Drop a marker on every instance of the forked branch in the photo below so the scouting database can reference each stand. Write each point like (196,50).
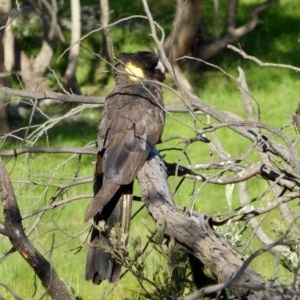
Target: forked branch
(198,237)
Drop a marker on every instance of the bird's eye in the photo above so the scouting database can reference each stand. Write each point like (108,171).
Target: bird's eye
(149,66)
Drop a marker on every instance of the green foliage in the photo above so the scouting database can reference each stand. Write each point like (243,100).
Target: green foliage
(234,233)
(170,276)
(29,36)
(160,267)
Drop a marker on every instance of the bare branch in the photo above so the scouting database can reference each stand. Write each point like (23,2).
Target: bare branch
(259,211)
(255,224)
(241,174)
(105,15)
(271,145)
(231,15)
(234,280)
(75,150)
(221,116)
(70,73)
(254,19)
(4,232)
(48,276)
(10,291)
(296,118)
(232,32)
(53,205)
(52,95)
(48,13)
(185,26)
(260,63)
(72,98)
(246,95)
(195,235)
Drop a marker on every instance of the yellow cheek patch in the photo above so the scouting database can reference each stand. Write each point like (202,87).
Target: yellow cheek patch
(135,71)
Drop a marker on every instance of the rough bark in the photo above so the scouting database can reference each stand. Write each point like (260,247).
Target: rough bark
(186,24)
(52,95)
(70,74)
(5,7)
(8,46)
(185,28)
(14,229)
(199,238)
(33,69)
(189,34)
(4,127)
(231,32)
(296,118)
(65,98)
(107,42)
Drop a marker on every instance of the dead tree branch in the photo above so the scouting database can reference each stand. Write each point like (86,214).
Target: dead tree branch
(198,104)
(233,32)
(10,291)
(70,73)
(71,98)
(197,236)
(75,150)
(104,19)
(260,63)
(55,287)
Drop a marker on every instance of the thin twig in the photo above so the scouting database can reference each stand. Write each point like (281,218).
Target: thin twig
(260,63)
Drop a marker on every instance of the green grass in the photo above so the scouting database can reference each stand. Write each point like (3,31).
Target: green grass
(275,93)
(63,229)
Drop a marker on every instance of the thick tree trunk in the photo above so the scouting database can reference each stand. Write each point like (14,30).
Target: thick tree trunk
(197,236)
(4,127)
(70,74)
(33,69)
(5,6)
(186,24)
(104,20)
(189,35)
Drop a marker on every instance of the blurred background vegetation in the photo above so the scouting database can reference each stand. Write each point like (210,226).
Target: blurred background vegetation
(37,177)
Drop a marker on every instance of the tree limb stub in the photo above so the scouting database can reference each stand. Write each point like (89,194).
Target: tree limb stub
(70,98)
(73,98)
(64,149)
(197,236)
(13,225)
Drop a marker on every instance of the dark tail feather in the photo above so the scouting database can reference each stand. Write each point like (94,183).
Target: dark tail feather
(101,199)
(99,264)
